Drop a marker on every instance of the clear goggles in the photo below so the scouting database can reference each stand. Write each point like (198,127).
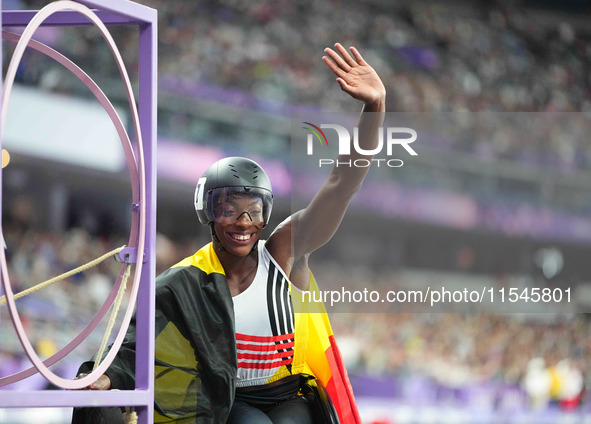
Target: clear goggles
(227,205)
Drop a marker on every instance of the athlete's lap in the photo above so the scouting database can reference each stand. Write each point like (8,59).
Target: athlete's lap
(242,413)
(293,411)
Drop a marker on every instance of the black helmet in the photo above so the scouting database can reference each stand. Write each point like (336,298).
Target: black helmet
(231,177)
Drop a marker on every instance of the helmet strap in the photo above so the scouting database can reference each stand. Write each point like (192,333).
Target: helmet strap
(213,234)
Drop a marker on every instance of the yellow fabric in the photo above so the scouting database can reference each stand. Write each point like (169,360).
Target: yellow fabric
(205,259)
(316,329)
(173,348)
(312,330)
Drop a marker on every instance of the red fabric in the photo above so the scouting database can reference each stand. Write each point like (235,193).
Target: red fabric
(264,356)
(265,348)
(264,365)
(263,339)
(339,388)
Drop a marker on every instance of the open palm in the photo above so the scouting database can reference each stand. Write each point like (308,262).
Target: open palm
(354,74)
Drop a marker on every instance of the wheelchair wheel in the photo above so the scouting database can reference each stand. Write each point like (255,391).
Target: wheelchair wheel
(318,398)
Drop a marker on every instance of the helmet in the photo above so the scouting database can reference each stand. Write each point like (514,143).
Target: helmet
(232,177)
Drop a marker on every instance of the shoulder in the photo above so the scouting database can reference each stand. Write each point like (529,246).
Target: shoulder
(205,259)
(279,248)
(279,245)
(193,268)
(196,279)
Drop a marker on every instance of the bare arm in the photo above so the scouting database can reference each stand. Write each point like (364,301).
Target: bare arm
(317,223)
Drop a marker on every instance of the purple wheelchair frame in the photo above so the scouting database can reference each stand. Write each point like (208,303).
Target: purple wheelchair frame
(117,12)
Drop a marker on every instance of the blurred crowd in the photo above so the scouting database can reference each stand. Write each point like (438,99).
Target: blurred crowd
(53,315)
(433,57)
(546,357)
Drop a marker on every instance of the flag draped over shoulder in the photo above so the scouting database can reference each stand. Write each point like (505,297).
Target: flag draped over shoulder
(195,347)
(322,354)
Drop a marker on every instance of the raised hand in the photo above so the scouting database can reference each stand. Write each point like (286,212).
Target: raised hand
(354,74)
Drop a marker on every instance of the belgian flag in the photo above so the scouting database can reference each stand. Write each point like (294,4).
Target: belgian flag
(323,357)
(195,348)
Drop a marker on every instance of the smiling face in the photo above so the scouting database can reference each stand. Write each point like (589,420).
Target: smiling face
(238,223)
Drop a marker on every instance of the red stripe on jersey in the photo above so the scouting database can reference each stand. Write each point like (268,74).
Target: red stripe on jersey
(264,365)
(264,357)
(264,348)
(263,339)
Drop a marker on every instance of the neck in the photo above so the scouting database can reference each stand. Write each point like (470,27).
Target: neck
(240,270)
(235,265)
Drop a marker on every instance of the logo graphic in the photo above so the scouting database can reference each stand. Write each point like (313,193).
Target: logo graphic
(388,139)
(310,141)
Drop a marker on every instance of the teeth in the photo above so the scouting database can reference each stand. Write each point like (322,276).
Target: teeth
(241,236)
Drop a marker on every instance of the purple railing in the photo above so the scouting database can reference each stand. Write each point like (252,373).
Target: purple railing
(117,12)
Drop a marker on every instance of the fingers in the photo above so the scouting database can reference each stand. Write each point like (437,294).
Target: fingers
(346,56)
(358,56)
(342,62)
(338,59)
(102,383)
(344,85)
(354,75)
(333,66)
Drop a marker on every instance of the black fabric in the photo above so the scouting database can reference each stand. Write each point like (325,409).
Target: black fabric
(105,415)
(243,413)
(199,306)
(111,415)
(294,411)
(270,395)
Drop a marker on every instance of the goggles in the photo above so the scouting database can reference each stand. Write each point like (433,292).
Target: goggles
(227,205)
